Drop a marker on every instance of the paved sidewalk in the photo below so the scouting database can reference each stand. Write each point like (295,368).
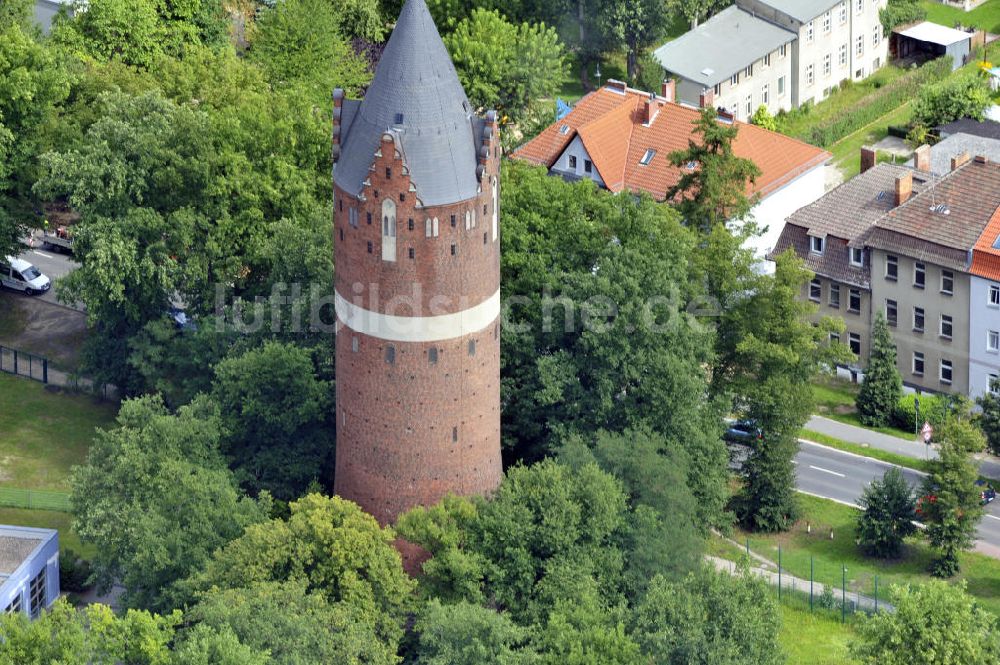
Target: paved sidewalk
(792,583)
(989,465)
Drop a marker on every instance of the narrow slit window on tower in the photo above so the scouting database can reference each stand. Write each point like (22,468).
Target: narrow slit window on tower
(354,344)
(402,197)
(436,227)
(468,220)
(432,355)
(341,234)
(485,210)
(484,238)
(388,173)
(409,224)
(368,218)
(390,354)
(472,347)
(410,252)
(454,434)
(454,250)
(369,246)
(428,228)
(453,221)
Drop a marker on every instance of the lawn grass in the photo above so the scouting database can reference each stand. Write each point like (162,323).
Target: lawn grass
(866,451)
(986,16)
(814,638)
(981,573)
(799,124)
(49,519)
(835,400)
(847,151)
(43,434)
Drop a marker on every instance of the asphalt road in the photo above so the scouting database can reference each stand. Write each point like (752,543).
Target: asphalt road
(52,264)
(833,474)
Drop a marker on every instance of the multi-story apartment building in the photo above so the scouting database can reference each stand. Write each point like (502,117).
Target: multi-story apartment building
(919,248)
(830,235)
(776,53)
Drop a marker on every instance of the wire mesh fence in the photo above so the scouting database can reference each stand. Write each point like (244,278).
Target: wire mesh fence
(34,499)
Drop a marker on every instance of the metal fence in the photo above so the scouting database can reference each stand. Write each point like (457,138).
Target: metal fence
(34,499)
(22,363)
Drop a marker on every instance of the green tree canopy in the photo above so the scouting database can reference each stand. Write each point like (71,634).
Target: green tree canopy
(155,499)
(504,66)
(883,386)
(300,43)
(672,623)
(949,506)
(888,514)
(989,418)
(900,12)
(467,634)
(954,98)
(934,624)
(276,414)
(332,547)
(293,625)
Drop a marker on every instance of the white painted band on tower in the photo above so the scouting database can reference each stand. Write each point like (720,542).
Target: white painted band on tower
(418,328)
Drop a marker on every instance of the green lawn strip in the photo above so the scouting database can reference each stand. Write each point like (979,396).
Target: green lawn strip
(43,434)
(986,16)
(981,573)
(835,400)
(814,638)
(866,451)
(49,519)
(847,151)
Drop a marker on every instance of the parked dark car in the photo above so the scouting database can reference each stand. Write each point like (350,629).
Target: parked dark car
(986,492)
(743,431)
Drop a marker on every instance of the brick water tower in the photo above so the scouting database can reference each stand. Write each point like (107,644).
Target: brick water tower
(417,262)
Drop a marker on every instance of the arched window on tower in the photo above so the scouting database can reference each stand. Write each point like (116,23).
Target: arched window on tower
(388,230)
(496,207)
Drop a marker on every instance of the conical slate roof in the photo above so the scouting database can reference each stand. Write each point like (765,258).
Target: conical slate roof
(415,94)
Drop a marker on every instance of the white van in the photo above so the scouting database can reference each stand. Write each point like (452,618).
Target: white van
(20,275)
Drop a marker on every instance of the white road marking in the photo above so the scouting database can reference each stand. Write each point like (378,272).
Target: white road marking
(994,517)
(832,473)
(48,256)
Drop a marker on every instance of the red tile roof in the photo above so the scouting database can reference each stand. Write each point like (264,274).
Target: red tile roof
(611,125)
(985,257)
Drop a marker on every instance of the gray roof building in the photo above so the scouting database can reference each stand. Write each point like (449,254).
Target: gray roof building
(985,128)
(847,213)
(722,46)
(415,96)
(956,145)
(803,10)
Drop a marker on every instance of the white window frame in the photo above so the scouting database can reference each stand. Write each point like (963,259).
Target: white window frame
(765,94)
(834,288)
(810,31)
(923,317)
(810,74)
(851,339)
(993,296)
(781,86)
(919,268)
(917,355)
(827,64)
(388,230)
(894,320)
(859,6)
(951,371)
(859,263)
(950,291)
(850,296)
(941,324)
(843,55)
(827,21)
(993,341)
(815,290)
(859,46)
(842,11)
(893,261)
(816,245)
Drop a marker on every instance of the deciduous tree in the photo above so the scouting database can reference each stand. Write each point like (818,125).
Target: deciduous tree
(989,418)
(950,507)
(504,66)
(933,624)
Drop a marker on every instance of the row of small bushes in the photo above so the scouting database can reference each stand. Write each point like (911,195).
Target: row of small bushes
(872,107)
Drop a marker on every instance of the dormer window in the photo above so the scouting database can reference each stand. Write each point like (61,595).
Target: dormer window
(564,130)
(816,244)
(648,157)
(857,256)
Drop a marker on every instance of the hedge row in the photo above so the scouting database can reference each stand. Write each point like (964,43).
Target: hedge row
(882,101)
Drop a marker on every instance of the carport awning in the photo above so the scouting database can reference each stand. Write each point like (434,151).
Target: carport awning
(935,34)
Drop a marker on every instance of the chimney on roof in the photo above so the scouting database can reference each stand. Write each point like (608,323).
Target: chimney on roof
(868,158)
(706,99)
(904,188)
(959,160)
(981,159)
(922,158)
(649,109)
(669,90)
(615,84)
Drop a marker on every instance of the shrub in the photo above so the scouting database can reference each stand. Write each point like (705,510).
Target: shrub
(826,599)
(933,409)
